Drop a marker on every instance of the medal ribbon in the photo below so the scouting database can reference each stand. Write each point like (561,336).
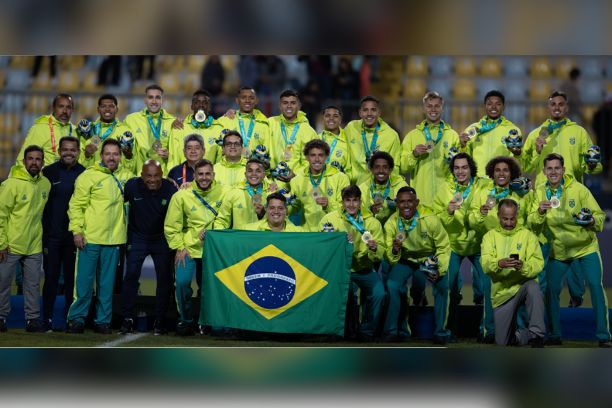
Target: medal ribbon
(486,127)
(385,193)
(251,191)
(291,140)
(466,192)
(207,122)
(357,223)
(156,129)
(499,196)
(106,134)
(118,183)
(246,136)
(428,133)
(552,126)
(52,131)
(557,192)
(368,151)
(332,147)
(203,201)
(316,183)
(413,223)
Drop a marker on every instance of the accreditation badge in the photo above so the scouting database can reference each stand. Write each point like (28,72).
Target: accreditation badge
(491,201)
(366,236)
(555,202)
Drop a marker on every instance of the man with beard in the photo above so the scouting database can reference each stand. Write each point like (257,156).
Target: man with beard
(48,129)
(97,222)
(59,251)
(275,219)
(193,150)
(22,200)
(191,212)
(148,196)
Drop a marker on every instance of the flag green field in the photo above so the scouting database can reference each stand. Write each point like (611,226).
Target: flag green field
(276,282)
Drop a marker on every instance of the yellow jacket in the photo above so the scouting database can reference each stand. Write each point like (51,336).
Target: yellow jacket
(230,174)
(40,135)
(144,139)
(367,200)
(96,208)
(117,131)
(261,128)
(429,171)
(262,225)
(363,258)
(341,153)
(277,145)
(22,201)
(237,208)
(187,216)
(331,186)
(176,142)
(500,243)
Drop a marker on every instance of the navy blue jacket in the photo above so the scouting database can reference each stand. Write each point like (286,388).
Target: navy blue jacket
(176,173)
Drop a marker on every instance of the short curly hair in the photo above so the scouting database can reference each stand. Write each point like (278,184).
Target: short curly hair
(515,169)
(316,144)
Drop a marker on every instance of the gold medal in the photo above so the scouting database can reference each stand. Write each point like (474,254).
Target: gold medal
(315,193)
(256,199)
(458,198)
(471,132)
(429,146)
(157,145)
(400,236)
(555,202)
(200,116)
(366,236)
(378,198)
(287,154)
(491,201)
(95,140)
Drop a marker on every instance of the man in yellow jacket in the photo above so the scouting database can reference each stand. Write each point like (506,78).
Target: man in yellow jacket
(48,129)
(416,243)
(22,200)
(378,192)
(425,150)
(98,224)
(199,122)
(366,234)
(289,133)
(190,213)
(334,136)
(275,219)
(487,138)
(151,127)
(571,219)
(252,125)
(229,170)
(559,134)
(106,126)
(368,134)
(245,203)
(318,189)
(511,256)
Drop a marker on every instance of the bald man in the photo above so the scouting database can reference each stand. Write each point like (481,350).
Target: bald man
(148,197)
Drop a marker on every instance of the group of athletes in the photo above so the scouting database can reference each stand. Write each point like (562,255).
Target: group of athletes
(112,192)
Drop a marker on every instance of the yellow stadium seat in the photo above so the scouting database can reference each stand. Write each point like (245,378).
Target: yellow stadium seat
(37,104)
(169,63)
(2,79)
(195,63)
(42,82)
(540,68)
(90,82)
(71,62)
(87,107)
(170,104)
(229,62)
(563,67)
(491,67)
(539,90)
(416,65)
(465,66)
(68,81)
(464,90)
(462,115)
(537,114)
(412,114)
(169,82)
(414,89)
(191,82)
(24,61)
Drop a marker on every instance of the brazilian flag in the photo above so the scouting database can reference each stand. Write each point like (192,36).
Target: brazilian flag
(282,282)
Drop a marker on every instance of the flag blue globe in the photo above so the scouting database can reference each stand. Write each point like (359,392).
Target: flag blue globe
(270,282)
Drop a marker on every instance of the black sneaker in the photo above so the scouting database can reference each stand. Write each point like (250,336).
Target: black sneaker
(488,339)
(554,341)
(47,326)
(440,340)
(127,326)
(186,330)
(204,329)
(33,326)
(103,328)
(605,344)
(575,302)
(536,342)
(158,328)
(478,300)
(3,328)
(75,327)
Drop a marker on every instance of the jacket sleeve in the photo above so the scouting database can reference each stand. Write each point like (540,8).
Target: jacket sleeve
(390,232)
(336,202)
(442,244)
(534,218)
(489,257)
(173,224)
(79,203)
(7,203)
(534,261)
(407,160)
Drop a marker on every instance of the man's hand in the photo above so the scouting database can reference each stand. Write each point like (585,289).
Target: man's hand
(179,258)
(163,153)
(372,245)
(544,206)
(349,237)
(178,123)
(419,150)
(90,149)
(396,247)
(260,210)
(79,241)
(516,151)
(185,186)
(202,235)
(4,255)
(463,139)
(452,207)
(127,152)
(288,178)
(230,113)
(591,166)
(433,277)
(322,201)
(484,210)
(508,263)
(540,142)
(375,208)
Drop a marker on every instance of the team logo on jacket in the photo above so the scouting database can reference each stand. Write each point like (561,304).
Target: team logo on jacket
(424,235)
(572,203)
(164,133)
(338,153)
(211,140)
(256,136)
(572,140)
(24,197)
(193,208)
(44,194)
(239,205)
(218,203)
(445,144)
(330,192)
(164,201)
(519,246)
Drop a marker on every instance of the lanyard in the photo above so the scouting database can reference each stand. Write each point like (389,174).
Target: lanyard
(246,137)
(357,223)
(400,223)
(156,129)
(368,151)
(558,191)
(52,131)
(428,133)
(184,173)
(97,127)
(466,192)
(251,191)
(486,127)
(203,201)
(501,195)
(199,125)
(332,147)
(318,181)
(552,126)
(118,183)
(386,192)
(293,133)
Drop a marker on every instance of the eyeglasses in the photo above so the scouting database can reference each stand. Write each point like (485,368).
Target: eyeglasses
(230,144)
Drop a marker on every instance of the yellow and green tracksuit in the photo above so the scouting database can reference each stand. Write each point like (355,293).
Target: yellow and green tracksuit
(369,188)
(425,236)
(144,137)
(187,217)
(237,209)
(298,133)
(429,171)
(330,185)
(116,130)
(387,141)
(96,210)
(485,146)
(210,134)
(230,174)
(255,129)
(572,244)
(569,140)
(40,135)
(22,200)
(339,150)
(262,225)
(363,267)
